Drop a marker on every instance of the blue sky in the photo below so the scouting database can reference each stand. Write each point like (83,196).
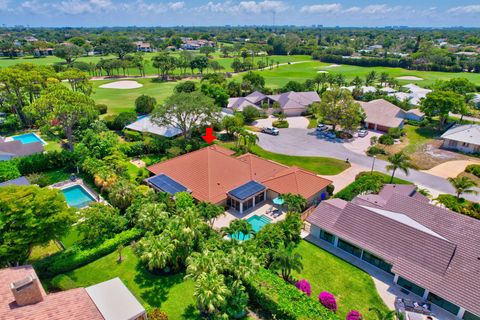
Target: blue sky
(440,13)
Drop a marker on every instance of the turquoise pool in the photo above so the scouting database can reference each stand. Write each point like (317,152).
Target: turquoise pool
(77,196)
(257,222)
(28,138)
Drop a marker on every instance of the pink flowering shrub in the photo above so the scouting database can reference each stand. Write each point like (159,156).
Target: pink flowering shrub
(328,301)
(354,315)
(304,286)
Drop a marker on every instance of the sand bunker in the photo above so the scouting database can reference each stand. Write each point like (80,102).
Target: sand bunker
(409,78)
(332,66)
(322,71)
(126,84)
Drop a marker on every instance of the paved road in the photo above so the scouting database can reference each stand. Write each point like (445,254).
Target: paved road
(304,142)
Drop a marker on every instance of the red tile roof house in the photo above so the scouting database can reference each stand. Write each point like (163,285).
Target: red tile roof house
(213,174)
(428,250)
(22,297)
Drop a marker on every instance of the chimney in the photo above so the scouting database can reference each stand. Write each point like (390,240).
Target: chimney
(27,291)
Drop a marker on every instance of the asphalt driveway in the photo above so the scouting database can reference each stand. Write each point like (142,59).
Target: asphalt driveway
(304,142)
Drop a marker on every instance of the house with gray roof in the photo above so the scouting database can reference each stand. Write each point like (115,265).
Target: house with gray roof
(291,103)
(464,138)
(22,181)
(429,251)
(15,148)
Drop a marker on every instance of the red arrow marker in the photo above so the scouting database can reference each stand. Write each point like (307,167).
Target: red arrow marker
(209,137)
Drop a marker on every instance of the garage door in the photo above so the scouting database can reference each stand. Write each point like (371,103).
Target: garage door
(382,128)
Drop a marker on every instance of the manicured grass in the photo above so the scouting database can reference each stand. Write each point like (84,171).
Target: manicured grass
(353,288)
(71,238)
(119,100)
(418,136)
(319,165)
(40,252)
(55,176)
(172,294)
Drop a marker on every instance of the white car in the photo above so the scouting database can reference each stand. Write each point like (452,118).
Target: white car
(271,130)
(362,133)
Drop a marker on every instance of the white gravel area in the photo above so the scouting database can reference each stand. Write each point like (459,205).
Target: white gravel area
(409,78)
(125,84)
(332,66)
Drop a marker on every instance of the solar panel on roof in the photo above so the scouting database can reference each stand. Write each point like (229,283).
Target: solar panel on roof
(247,190)
(166,184)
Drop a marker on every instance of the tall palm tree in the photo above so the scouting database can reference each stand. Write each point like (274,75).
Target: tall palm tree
(398,161)
(210,292)
(463,185)
(287,260)
(385,315)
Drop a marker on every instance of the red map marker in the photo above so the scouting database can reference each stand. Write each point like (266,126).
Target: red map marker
(209,137)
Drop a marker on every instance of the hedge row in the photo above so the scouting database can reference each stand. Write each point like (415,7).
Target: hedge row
(473,169)
(75,257)
(272,294)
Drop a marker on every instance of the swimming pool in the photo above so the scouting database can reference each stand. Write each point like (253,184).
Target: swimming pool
(28,138)
(77,196)
(257,222)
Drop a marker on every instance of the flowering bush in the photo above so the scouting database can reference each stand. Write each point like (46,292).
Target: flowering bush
(328,301)
(354,315)
(304,285)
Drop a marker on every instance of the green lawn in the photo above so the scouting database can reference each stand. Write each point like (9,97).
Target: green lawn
(172,294)
(418,136)
(71,238)
(40,252)
(319,165)
(353,288)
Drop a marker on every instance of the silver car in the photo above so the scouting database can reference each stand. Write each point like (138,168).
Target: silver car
(362,133)
(271,130)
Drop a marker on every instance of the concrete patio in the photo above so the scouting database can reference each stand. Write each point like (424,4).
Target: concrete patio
(259,210)
(386,287)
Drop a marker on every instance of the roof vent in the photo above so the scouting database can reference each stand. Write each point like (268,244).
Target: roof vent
(27,291)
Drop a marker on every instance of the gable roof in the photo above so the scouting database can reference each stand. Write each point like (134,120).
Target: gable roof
(430,246)
(468,133)
(145,124)
(383,113)
(210,173)
(296,100)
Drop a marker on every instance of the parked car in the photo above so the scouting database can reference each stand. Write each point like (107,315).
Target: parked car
(271,130)
(362,133)
(321,127)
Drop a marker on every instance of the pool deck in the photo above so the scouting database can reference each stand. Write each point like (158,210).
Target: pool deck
(260,210)
(79,182)
(11,138)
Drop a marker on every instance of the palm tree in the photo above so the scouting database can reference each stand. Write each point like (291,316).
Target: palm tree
(210,292)
(398,161)
(383,78)
(463,185)
(156,251)
(385,315)
(286,260)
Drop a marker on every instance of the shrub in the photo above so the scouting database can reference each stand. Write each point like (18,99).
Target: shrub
(386,140)
(62,282)
(283,300)
(373,140)
(109,120)
(473,169)
(366,183)
(157,314)
(101,108)
(40,179)
(461,205)
(354,315)
(328,301)
(374,150)
(46,161)
(75,256)
(187,86)
(144,104)
(131,135)
(8,171)
(250,113)
(304,286)
(330,189)
(123,119)
(396,133)
(280,124)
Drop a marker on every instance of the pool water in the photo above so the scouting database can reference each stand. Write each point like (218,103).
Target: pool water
(28,138)
(257,222)
(77,196)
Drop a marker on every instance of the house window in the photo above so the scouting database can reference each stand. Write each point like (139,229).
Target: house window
(470,316)
(234,204)
(377,262)
(350,248)
(260,198)
(442,303)
(452,143)
(324,235)
(248,204)
(412,287)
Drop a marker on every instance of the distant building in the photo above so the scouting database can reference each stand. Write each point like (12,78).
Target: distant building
(22,181)
(143,46)
(190,44)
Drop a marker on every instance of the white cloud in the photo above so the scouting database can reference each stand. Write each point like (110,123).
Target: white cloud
(4,5)
(379,9)
(322,8)
(474,8)
(252,7)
